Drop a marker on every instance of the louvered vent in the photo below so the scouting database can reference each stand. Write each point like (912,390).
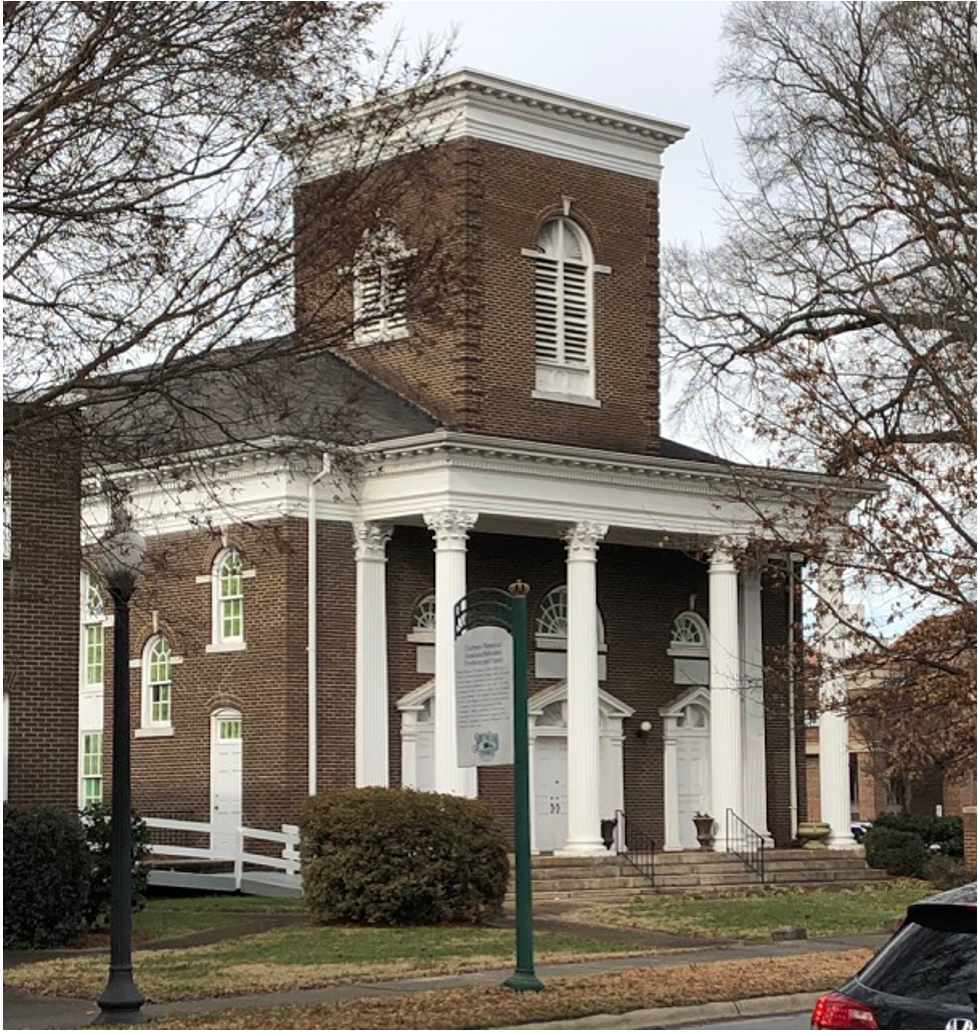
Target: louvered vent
(547,327)
(562,303)
(575,314)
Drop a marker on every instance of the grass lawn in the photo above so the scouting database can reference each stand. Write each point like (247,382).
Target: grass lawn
(494,1006)
(165,917)
(303,955)
(848,911)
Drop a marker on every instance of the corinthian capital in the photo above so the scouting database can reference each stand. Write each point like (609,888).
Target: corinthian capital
(450,526)
(370,541)
(582,539)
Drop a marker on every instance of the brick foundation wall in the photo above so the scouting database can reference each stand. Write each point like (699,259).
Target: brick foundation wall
(40,622)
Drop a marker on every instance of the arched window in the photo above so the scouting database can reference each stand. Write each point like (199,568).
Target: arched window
(423,620)
(93,634)
(689,636)
(563,307)
(550,628)
(228,589)
(157,683)
(380,287)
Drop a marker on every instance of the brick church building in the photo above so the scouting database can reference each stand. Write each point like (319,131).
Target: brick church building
(297,633)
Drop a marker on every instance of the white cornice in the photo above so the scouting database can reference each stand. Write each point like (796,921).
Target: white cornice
(449,448)
(481,106)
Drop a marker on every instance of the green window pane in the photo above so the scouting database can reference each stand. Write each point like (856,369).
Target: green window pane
(91,790)
(94,654)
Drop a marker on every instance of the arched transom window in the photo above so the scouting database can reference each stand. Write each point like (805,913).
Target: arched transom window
(689,636)
(423,620)
(550,628)
(564,310)
(157,683)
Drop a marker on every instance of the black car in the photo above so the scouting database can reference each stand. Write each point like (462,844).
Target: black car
(923,978)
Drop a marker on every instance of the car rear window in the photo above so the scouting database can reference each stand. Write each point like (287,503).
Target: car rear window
(926,963)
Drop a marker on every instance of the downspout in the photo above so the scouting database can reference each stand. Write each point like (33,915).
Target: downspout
(311,646)
(792,719)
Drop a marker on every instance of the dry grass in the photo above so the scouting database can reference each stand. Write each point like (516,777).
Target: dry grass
(494,1006)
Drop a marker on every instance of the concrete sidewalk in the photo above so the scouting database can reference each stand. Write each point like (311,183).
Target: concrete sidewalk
(23,1011)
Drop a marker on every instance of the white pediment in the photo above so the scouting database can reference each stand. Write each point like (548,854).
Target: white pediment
(698,694)
(607,703)
(418,697)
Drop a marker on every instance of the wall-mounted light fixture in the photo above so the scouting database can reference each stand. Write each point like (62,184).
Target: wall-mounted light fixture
(643,729)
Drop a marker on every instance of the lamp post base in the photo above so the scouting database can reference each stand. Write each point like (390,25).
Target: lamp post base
(121,1002)
(523,982)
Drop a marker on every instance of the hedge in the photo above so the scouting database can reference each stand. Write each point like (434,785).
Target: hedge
(382,856)
(900,853)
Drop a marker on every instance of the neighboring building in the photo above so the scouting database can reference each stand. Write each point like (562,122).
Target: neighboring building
(41,557)
(516,436)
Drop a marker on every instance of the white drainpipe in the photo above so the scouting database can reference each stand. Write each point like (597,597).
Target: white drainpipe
(311,653)
(792,743)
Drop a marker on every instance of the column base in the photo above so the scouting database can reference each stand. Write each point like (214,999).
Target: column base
(672,847)
(842,842)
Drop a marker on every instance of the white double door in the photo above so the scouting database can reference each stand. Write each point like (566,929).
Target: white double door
(693,776)
(550,793)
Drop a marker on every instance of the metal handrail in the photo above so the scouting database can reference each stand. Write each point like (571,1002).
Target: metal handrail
(639,853)
(745,842)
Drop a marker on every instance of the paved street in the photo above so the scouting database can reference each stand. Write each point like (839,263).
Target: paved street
(798,1020)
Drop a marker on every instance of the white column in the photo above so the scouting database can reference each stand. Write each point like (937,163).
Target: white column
(372,756)
(670,786)
(583,730)
(833,724)
(450,528)
(726,778)
(752,666)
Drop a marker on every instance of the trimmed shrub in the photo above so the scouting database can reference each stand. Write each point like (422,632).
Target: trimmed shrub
(899,853)
(97,824)
(944,872)
(945,832)
(46,870)
(383,856)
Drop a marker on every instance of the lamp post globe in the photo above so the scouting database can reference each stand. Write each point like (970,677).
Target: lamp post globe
(120,555)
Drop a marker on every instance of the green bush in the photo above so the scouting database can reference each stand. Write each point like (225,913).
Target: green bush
(46,871)
(392,856)
(97,823)
(897,852)
(946,832)
(945,872)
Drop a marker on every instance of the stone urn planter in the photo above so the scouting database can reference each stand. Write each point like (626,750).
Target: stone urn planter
(812,835)
(704,830)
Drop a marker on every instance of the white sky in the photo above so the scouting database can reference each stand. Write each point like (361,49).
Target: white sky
(657,58)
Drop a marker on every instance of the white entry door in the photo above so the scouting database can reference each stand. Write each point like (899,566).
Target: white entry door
(226,739)
(550,792)
(693,773)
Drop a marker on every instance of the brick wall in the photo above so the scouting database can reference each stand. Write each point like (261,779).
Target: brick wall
(969,815)
(266,681)
(40,622)
(470,357)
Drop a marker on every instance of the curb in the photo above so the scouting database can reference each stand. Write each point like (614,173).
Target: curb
(677,1017)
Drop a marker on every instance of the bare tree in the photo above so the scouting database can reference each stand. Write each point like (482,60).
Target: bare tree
(150,159)
(835,320)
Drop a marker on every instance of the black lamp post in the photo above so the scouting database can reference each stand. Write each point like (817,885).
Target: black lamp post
(121,552)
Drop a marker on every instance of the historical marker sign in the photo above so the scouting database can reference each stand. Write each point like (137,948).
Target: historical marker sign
(484,697)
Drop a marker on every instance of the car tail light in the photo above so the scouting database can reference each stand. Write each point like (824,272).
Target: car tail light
(838,1011)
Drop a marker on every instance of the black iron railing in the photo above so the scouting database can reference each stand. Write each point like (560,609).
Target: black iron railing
(640,851)
(746,843)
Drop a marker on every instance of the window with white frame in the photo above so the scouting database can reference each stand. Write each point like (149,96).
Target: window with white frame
(91,767)
(93,634)
(689,647)
(550,632)
(229,585)
(157,709)
(423,634)
(380,287)
(564,311)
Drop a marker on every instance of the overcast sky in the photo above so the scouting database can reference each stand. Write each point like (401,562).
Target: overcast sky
(656,58)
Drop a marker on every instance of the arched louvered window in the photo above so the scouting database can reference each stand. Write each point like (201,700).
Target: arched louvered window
(563,294)
(380,287)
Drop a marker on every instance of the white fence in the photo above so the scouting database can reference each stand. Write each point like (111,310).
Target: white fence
(276,875)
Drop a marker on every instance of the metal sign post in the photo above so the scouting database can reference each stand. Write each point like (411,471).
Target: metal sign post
(493,607)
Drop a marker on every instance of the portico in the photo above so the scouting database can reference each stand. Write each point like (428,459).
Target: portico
(456,484)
